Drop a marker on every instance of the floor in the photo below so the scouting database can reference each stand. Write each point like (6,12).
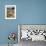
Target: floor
(32,43)
(7,45)
(28,43)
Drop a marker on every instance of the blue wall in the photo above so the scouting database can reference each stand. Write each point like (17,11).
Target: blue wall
(27,12)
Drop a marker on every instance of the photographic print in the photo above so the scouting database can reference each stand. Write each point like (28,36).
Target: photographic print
(10,11)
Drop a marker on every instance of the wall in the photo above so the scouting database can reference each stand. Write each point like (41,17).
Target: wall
(33,27)
(27,12)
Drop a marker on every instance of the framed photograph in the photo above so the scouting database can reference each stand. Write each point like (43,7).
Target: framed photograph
(10,11)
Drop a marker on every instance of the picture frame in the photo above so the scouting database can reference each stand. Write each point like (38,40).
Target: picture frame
(10,11)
